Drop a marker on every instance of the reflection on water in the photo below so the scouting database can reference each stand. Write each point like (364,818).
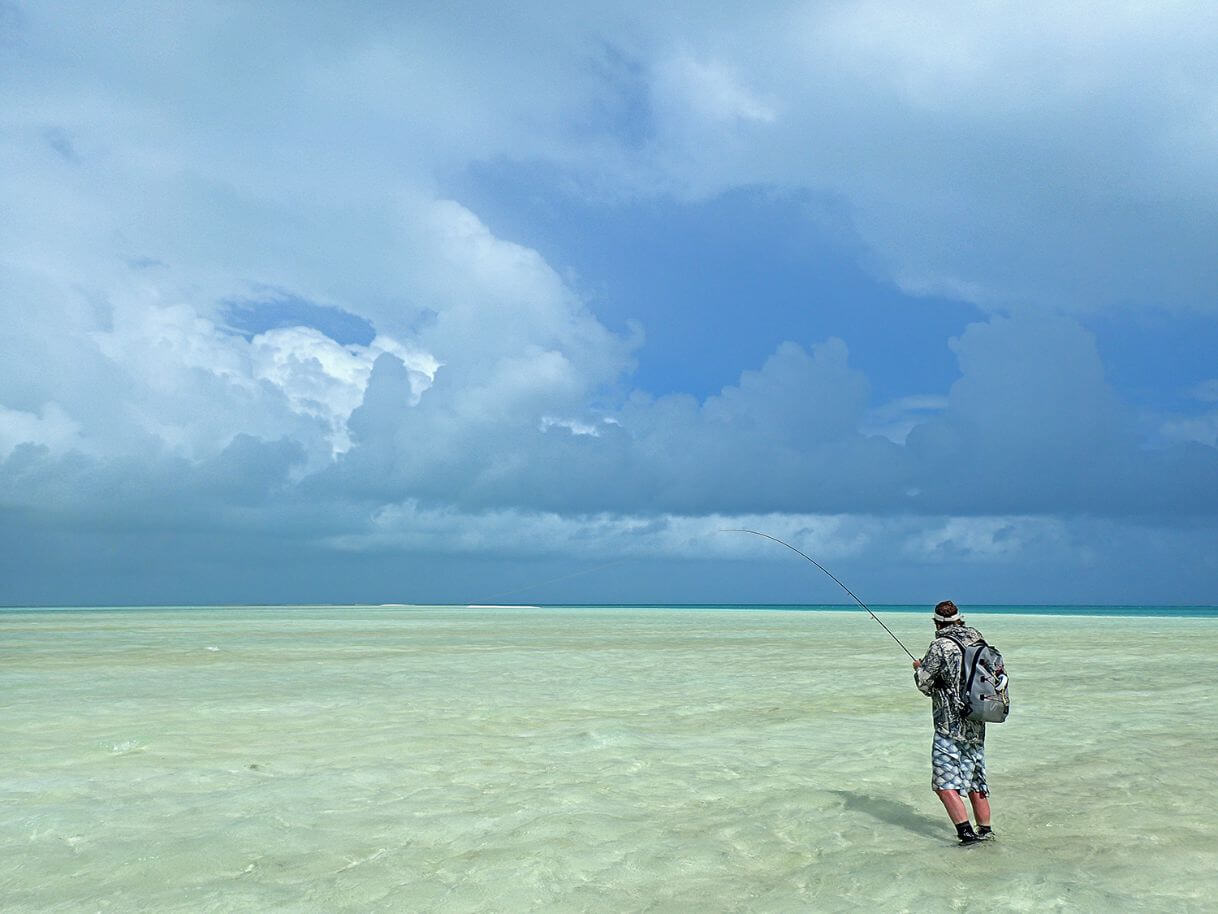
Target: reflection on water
(439,759)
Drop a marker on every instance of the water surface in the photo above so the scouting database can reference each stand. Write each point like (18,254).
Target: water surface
(452,759)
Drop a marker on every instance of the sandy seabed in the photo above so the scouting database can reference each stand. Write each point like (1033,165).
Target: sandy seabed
(475,760)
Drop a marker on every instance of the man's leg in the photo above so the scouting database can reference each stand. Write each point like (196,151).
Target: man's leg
(978,789)
(981,807)
(947,782)
(954,806)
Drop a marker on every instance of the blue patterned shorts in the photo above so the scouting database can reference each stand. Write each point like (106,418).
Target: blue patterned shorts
(957,765)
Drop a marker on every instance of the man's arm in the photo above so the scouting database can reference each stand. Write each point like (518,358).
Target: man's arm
(927,669)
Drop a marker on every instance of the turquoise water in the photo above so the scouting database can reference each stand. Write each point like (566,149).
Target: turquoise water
(454,759)
(1195,612)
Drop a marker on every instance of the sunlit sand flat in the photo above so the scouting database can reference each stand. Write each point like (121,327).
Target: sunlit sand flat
(464,760)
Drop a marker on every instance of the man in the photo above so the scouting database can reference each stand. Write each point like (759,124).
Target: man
(958,752)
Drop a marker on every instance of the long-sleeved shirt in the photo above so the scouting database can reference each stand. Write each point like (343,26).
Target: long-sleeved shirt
(939,677)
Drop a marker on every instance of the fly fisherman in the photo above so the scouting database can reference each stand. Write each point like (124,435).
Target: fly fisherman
(958,753)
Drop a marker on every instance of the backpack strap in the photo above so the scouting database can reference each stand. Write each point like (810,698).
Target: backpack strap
(966,677)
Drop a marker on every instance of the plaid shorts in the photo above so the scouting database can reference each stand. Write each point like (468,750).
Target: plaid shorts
(957,765)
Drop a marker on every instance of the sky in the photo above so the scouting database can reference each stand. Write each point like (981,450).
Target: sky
(472,302)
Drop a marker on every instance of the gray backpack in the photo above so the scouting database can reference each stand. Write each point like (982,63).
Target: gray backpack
(983,682)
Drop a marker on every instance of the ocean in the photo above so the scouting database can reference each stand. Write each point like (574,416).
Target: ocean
(453,759)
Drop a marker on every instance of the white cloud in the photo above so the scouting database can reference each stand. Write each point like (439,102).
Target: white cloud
(708,90)
(574,426)
(1031,427)
(1015,156)
(408,525)
(966,146)
(132,367)
(325,379)
(193,385)
(969,147)
(504,320)
(1006,539)
(50,427)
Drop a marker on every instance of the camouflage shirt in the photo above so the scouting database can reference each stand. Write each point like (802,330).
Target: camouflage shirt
(939,677)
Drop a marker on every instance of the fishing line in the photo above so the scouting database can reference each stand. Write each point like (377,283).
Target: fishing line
(835,580)
(574,574)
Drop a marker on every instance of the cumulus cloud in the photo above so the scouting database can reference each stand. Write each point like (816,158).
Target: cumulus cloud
(50,427)
(785,436)
(1031,426)
(1009,155)
(491,404)
(146,369)
(322,378)
(968,539)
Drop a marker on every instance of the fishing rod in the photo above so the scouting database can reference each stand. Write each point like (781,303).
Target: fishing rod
(832,575)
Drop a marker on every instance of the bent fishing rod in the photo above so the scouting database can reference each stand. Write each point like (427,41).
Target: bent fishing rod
(832,575)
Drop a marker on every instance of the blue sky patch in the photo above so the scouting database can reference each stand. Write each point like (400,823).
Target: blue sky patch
(718,284)
(251,317)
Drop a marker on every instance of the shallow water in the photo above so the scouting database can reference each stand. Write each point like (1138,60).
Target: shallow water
(446,759)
